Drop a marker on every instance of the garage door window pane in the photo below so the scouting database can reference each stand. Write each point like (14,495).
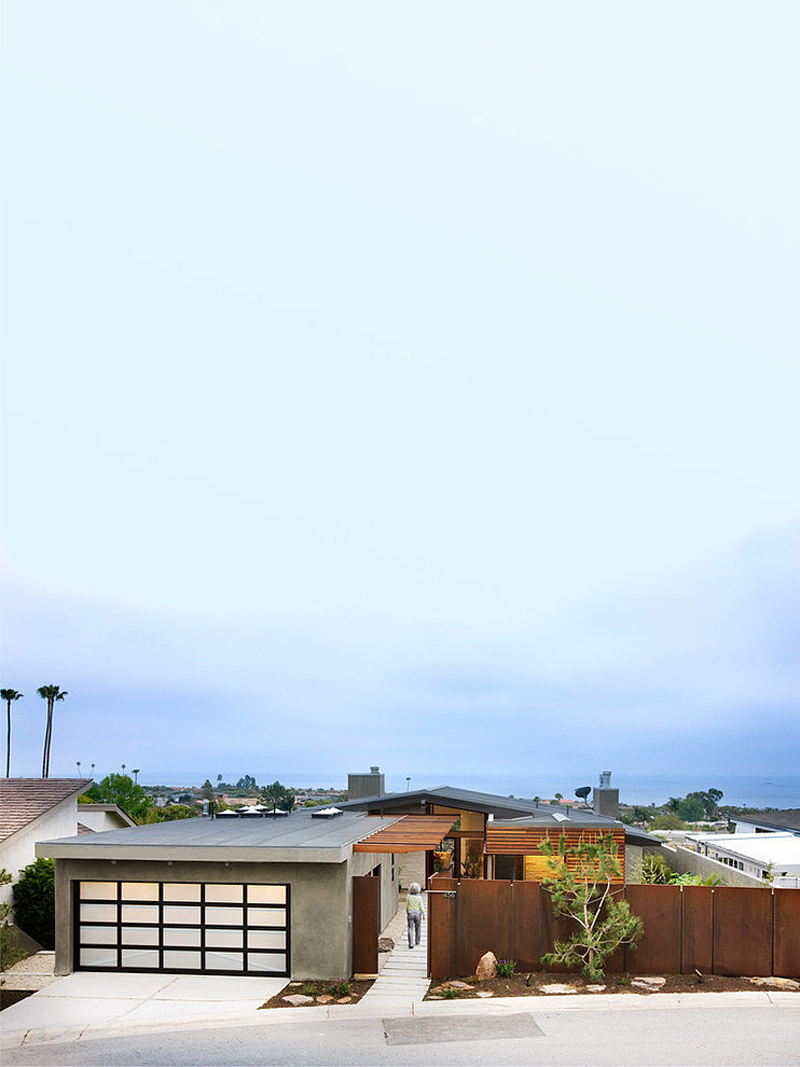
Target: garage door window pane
(225,961)
(99,935)
(140,935)
(98,890)
(176,914)
(182,891)
(140,913)
(266,939)
(266,894)
(266,916)
(140,890)
(224,916)
(224,938)
(182,960)
(98,913)
(98,957)
(266,961)
(132,957)
(224,894)
(175,937)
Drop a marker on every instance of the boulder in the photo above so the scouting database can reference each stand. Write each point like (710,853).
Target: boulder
(296,999)
(385,944)
(487,967)
(776,983)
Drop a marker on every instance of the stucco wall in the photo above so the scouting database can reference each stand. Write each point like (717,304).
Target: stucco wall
(321,902)
(18,850)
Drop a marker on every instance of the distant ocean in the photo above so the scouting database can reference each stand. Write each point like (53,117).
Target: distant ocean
(746,790)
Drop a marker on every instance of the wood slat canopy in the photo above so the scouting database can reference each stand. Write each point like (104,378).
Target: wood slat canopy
(411,833)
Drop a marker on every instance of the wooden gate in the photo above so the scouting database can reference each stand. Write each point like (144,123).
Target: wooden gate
(366,924)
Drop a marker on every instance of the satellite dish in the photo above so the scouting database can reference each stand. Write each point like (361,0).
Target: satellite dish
(583,792)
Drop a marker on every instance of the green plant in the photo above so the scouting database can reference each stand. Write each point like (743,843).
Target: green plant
(340,988)
(505,968)
(9,952)
(449,992)
(34,902)
(472,865)
(624,979)
(309,989)
(581,891)
(655,870)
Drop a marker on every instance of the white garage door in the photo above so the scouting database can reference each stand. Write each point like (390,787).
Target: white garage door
(196,927)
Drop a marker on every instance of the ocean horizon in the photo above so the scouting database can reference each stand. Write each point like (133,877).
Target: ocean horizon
(742,790)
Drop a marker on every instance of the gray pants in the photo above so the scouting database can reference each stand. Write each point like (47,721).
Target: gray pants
(414,927)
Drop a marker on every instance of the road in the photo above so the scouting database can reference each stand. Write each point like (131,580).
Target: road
(695,1037)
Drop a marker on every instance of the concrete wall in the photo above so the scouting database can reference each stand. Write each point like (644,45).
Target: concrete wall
(685,861)
(18,850)
(321,901)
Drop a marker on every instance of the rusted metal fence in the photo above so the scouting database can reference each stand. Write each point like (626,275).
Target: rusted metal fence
(722,930)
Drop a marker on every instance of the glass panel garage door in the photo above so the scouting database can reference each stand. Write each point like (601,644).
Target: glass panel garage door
(197,927)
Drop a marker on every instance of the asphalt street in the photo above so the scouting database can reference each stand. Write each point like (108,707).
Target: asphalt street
(695,1037)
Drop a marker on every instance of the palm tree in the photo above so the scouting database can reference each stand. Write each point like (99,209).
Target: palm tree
(9,695)
(50,693)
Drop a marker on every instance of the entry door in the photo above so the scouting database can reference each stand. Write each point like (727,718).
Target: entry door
(192,927)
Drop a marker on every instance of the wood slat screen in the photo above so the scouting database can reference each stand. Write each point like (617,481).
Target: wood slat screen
(506,841)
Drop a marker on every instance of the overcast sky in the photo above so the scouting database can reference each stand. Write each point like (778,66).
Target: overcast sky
(403,384)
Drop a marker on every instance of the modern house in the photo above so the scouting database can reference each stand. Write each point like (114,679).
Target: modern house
(232,895)
(768,822)
(499,837)
(95,818)
(774,857)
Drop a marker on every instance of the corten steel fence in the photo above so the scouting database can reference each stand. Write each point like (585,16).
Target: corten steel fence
(722,930)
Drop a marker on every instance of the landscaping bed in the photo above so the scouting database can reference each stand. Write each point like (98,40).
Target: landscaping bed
(546,983)
(314,993)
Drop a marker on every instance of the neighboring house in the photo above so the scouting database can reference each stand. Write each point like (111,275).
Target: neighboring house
(504,833)
(231,895)
(772,856)
(99,817)
(768,822)
(32,809)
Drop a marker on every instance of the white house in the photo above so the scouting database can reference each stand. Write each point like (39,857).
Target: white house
(761,855)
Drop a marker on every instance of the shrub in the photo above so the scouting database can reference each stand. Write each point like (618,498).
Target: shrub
(449,992)
(655,870)
(9,953)
(505,968)
(340,988)
(34,902)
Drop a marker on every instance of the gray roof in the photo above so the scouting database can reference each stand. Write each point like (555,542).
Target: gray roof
(788,819)
(520,812)
(298,838)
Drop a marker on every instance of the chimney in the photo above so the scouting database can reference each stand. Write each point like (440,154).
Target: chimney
(365,785)
(606,799)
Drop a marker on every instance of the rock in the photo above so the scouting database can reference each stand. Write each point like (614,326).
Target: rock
(434,997)
(324,998)
(344,1000)
(385,944)
(555,987)
(296,999)
(595,988)
(648,982)
(487,967)
(459,985)
(776,983)
(294,985)
(484,993)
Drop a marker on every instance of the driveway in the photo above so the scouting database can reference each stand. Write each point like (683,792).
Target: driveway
(86,1004)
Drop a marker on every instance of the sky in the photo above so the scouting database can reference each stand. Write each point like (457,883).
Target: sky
(404,385)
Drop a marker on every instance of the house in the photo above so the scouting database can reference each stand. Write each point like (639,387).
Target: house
(768,822)
(499,837)
(95,818)
(32,809)
(774,857)
(298,896)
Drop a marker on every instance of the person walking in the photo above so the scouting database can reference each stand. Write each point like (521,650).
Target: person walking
(415,913)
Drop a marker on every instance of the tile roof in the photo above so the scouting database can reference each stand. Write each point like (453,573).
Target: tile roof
(22,800)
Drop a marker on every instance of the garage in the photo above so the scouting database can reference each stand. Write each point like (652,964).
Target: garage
(190,927)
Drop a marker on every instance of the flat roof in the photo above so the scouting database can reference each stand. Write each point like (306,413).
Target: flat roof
(778,848)
(297,838)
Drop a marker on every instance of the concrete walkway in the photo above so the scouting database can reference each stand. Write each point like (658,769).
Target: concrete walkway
(403,981)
